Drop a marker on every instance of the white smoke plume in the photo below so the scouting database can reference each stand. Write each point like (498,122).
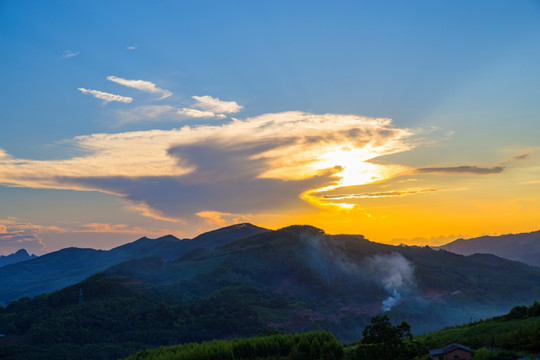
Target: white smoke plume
(394,272)
(396,275)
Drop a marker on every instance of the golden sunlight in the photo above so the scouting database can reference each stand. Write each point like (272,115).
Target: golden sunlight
(355,169)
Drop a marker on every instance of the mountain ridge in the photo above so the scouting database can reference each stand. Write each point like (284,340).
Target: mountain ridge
(346,275)
(523,247)
(293,279)
(64,267)
(18,256)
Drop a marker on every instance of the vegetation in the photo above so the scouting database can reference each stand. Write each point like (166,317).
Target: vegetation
(519,330)
(313,345)
(124,316)
(383,341)
(293,280)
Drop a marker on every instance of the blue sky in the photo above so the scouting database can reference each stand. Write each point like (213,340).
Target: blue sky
(459,80)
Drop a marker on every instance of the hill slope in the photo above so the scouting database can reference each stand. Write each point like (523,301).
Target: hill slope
(341,281)
(292,280)
(519,247)
(61,268)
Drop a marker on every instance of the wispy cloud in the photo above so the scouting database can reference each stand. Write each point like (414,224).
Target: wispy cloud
(145,113)
(465,169)
(143,208)
(194,113)
(69,54)
(16,234)
(109,228)
(217,218)
(162,113)
(107,97)
(216,105)
(132,47)
(521,157)
(380,194)
(141,85)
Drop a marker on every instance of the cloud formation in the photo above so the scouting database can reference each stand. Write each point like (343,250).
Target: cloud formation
(381,194)
(216,105)
(194,113)
(145,113)
(216,218)
(163,113)
(107,97)
(141,85)
(68,54)
(464,169)
(263,163)
(16,234)
(521,157)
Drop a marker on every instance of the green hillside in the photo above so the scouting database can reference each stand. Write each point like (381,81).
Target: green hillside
(293,280)
(519,330)
(65,267)
(313,345)
(514,335)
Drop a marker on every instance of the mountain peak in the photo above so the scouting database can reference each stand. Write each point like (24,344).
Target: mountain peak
(302,229)
(247,228)
(18,256)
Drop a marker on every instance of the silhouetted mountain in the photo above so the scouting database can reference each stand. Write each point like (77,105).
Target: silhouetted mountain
(520,247)
(21,255)
(61,268)
(342,280)
(292,280)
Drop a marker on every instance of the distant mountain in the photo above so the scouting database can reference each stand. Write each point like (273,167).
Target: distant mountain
(520,247)
(21,255)
(294,279)
(61,268)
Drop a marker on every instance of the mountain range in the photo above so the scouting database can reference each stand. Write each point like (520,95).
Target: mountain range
(56,270)
(523,247)
(343,279)
(242,281)
(21,255)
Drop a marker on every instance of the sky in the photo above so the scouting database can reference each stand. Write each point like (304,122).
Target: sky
(405,121)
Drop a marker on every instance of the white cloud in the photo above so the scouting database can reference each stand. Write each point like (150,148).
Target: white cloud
(216,105)
(160,113)
(144,113)
(132,47)
(68,54)
(243,166)
(141,85)
(194,113)
(107,97)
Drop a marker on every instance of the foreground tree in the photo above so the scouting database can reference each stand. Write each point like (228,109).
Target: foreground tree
(383,341)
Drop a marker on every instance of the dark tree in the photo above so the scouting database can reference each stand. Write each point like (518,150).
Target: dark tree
(383,341)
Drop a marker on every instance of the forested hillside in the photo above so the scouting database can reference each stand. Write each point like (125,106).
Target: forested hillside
(292,280)
(65,267)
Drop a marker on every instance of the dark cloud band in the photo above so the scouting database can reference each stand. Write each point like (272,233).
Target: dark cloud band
(465,169)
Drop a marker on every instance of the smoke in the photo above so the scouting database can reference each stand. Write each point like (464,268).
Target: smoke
(320,257)
(396,275)
(391,271)
(390,301)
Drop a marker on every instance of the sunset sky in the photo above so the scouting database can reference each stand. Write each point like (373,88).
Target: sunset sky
(404,121)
